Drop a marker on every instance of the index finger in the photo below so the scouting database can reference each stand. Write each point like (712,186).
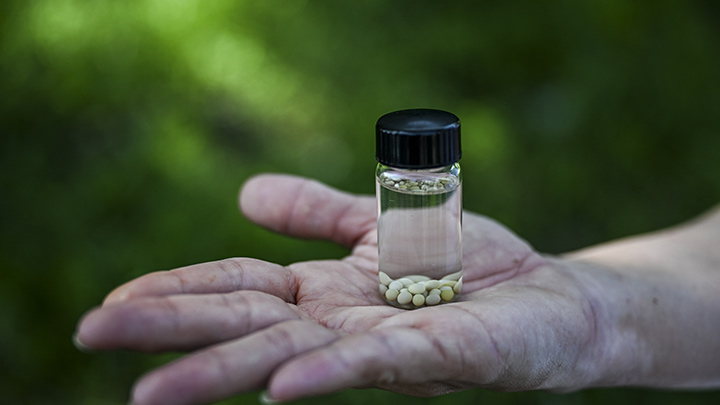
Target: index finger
(220,276)
(307,209)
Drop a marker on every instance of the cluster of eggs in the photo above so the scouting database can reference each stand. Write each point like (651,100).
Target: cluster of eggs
(415,291)
(425,185)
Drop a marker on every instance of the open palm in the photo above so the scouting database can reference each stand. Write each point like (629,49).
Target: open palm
(310,328)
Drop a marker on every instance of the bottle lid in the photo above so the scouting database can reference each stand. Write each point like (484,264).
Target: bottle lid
(418,139)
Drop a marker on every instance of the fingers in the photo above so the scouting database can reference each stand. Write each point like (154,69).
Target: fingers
(306,208)
(370,359)
(213,277)
(425,354)
(232,368)
(181,322)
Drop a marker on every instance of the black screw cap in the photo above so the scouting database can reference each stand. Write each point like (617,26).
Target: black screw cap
(418,139)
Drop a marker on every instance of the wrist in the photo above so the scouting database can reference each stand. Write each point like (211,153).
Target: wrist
(655,326)
(613,355)
(606,357)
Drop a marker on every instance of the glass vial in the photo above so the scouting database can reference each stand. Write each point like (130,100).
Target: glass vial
(419,198)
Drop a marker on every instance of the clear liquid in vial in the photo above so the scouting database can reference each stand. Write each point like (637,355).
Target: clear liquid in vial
(419,238)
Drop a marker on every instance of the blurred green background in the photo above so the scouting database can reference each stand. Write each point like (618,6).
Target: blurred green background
(128,127)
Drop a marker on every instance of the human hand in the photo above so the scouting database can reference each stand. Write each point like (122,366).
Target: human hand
(523,321)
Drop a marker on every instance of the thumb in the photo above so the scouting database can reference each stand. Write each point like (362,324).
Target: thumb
(306,208)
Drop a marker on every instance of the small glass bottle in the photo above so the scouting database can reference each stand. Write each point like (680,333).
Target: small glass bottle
(419,199)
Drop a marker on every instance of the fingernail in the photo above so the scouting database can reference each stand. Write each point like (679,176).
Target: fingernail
(79,345)
(266,399)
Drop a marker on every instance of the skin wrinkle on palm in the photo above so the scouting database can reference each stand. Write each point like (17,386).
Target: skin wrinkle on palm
(559,311)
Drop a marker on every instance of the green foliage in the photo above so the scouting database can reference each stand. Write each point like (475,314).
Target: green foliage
(127,128)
